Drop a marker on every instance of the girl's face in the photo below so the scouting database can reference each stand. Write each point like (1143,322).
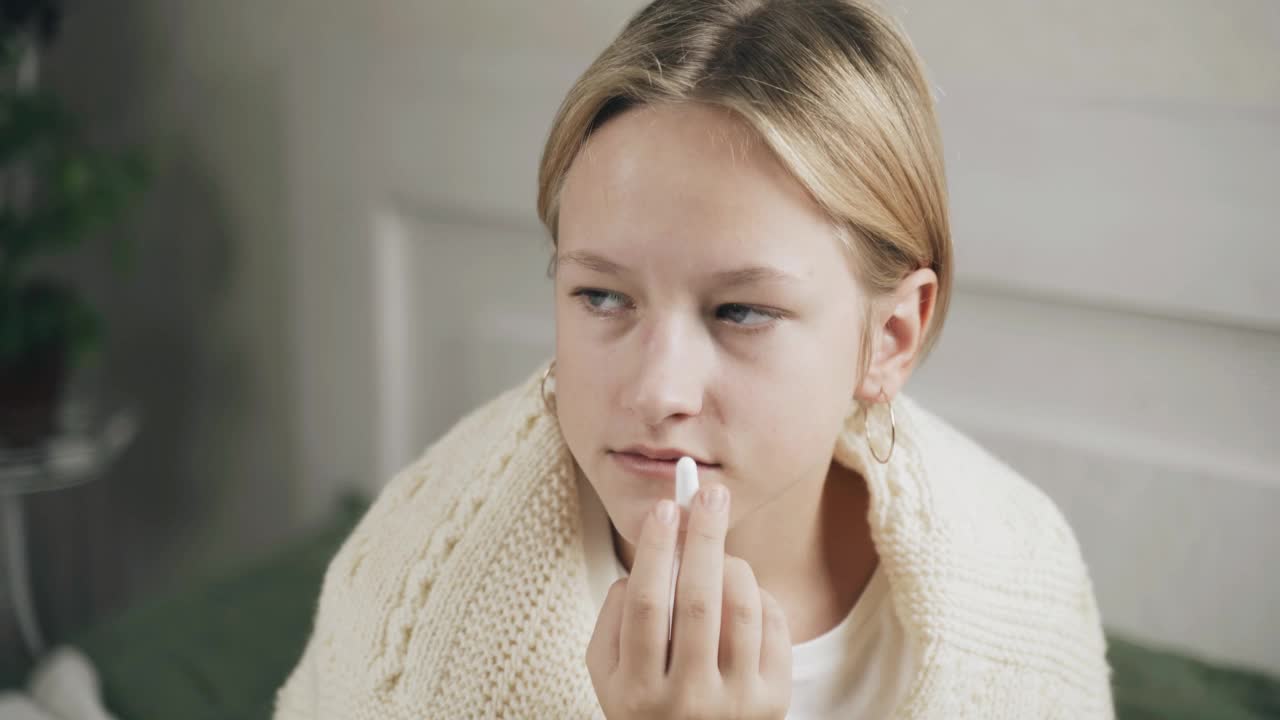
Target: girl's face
(704,307)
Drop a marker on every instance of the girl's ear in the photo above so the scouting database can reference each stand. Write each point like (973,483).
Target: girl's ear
(901,320)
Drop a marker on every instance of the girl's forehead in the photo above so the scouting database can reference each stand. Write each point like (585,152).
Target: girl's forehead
(677,148)
(652,176)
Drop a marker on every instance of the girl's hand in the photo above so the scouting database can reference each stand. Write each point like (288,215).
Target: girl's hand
(730,653)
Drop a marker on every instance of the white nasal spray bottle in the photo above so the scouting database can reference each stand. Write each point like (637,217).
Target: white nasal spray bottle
(686,488)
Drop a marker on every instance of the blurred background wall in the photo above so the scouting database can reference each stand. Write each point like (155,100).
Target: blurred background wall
(340,255)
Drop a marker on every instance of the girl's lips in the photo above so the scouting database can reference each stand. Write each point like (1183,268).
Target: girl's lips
(656,469)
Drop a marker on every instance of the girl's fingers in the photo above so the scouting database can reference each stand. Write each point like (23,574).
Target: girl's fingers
(695,633)
(741,621)
(602,651)
(775,644)
(643,636)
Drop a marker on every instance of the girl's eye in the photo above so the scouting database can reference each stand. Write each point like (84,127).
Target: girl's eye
(601,301)
(745,315)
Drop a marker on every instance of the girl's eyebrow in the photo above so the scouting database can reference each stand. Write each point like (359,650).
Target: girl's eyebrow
(752,275)
(590,261)
(738,277)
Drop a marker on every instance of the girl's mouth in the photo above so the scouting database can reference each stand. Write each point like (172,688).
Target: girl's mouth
(658,469)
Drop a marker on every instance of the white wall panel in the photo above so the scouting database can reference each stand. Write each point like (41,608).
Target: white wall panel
(1167,209)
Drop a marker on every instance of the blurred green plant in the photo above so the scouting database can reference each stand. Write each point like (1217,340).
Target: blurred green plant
(56,191)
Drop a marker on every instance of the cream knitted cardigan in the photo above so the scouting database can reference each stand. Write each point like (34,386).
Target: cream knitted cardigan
(463,591)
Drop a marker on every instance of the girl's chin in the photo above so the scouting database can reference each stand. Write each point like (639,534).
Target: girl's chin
(631,523)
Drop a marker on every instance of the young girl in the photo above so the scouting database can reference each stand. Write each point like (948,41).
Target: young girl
(751,255)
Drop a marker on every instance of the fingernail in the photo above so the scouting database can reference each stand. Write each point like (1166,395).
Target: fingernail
(715,497)
(665,512)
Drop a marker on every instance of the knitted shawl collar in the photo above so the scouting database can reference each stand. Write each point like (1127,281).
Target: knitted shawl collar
(465,586)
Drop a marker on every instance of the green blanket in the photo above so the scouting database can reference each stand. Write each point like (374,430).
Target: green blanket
(221,650)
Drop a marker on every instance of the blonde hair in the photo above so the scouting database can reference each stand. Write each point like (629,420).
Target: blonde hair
(835,90)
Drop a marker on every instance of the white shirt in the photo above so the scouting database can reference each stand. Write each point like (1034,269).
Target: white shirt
(861,668)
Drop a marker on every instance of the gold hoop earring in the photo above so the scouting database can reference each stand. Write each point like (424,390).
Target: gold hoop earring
(893,432)
(550,405)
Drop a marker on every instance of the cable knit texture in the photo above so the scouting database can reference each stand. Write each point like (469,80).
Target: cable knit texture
(463,593)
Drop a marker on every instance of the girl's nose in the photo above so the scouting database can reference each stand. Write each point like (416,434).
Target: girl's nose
(670,377)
